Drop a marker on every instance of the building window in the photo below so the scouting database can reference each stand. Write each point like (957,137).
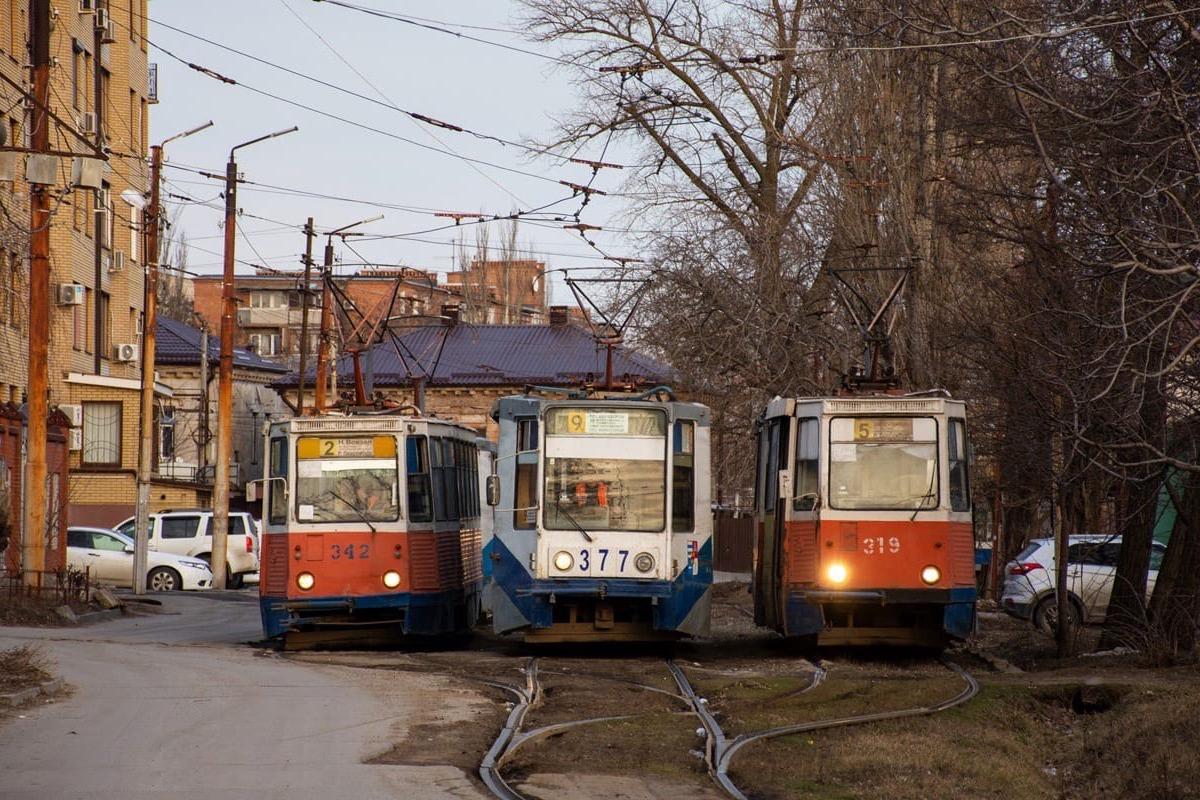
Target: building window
(78,328)
(76,57)
(266,343)
(88,317)
(12,304)
(102,434)
(106,325)
(268,300)
(166,434)
(135,232)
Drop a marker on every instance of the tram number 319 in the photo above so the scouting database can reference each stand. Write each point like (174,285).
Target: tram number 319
(877,545)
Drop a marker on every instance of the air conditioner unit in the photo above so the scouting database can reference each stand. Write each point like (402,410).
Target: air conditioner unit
(87,123)
(117,262)
(76,435)
(125,352)
(70,294)
(74,413)
(87,173)
(104,24)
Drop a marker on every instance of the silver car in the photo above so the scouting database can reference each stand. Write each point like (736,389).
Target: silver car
(1029,579)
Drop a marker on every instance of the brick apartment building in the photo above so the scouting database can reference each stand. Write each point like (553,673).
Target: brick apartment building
(502,291)
(270,304)
(95,320)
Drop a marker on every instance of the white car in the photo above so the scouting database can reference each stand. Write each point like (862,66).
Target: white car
(108,557)
(189,533)
(1029,579)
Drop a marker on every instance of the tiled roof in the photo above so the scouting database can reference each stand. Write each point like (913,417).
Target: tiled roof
(471,355)
(179,343)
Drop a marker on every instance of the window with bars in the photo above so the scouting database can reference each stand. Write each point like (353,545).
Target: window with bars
(101,434)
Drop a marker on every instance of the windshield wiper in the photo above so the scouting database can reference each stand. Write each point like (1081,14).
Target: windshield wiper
(355,508)
(558,507)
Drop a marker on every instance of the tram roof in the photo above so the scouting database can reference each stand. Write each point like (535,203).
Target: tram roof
(869,404)
(466,354)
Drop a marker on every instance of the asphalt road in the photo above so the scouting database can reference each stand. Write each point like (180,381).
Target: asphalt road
(178,705)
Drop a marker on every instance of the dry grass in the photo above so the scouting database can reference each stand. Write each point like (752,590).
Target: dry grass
(1144,749)
(22,667)
(992,748)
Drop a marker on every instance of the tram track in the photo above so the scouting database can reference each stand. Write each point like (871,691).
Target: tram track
(719,748)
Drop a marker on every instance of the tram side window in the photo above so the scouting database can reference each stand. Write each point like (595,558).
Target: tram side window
(960,490)
(524,503)
(277,489)
(419,494)
(807,455)
(683,477)
(449,479)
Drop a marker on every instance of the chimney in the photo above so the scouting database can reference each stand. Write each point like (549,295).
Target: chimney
(558,315)
(450,312)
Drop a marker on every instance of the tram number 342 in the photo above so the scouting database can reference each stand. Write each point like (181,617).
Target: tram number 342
(878,545)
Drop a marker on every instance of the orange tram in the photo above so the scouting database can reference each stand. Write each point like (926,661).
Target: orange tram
(371,526)
(863,521)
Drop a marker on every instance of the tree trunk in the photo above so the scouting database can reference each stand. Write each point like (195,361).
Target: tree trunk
(1125,623)
(1175,606)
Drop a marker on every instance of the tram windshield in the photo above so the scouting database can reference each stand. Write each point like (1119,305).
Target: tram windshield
(606,469)
(348,479)
(883,463)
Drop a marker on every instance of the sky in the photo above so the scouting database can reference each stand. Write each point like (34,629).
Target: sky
(485,88)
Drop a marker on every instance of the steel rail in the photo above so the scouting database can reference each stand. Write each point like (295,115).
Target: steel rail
(489,768)
(724,754)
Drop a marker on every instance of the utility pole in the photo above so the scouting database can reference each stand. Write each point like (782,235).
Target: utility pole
(149,340)
(323,348)
(220,518)
(309,233)
(33,537)
(204,435)
(100,221)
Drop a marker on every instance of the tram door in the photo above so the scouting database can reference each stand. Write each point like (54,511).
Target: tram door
(772,457)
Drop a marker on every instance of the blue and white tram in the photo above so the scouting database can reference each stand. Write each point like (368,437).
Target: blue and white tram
(603,523)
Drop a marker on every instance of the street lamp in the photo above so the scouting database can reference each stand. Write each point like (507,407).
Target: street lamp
(220,516)
(149,321)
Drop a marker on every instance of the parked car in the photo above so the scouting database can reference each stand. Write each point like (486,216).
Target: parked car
(107,555)
(1029,579)
(188,532)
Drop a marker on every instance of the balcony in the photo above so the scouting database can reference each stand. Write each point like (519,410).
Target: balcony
(265,317)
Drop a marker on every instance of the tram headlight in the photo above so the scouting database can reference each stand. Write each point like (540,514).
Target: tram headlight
(563,561)
(931,574)
(391,579)
(305,581)
(644,562)
(836,573)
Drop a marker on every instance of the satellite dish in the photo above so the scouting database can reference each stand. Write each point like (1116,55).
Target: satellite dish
(134,198)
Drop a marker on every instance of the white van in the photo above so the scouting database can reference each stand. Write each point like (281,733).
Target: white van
(188,532)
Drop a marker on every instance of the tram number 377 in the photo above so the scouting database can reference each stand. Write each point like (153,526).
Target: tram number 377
(602,554)
(878,545)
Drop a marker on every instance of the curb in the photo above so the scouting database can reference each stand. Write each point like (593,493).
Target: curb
(32,693)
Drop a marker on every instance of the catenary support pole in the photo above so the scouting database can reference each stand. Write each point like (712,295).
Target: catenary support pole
(220,518)
(152,220)
(325,341)
(33,537)
(305,292)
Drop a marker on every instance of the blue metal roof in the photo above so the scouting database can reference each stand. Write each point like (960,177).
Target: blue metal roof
(464,354)
(179,343)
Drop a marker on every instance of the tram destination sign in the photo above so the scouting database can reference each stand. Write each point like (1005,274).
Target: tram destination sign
(348,447)
(885,429)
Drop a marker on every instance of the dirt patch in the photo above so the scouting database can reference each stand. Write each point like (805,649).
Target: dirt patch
(20,610)
(651,749)
(22,668)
